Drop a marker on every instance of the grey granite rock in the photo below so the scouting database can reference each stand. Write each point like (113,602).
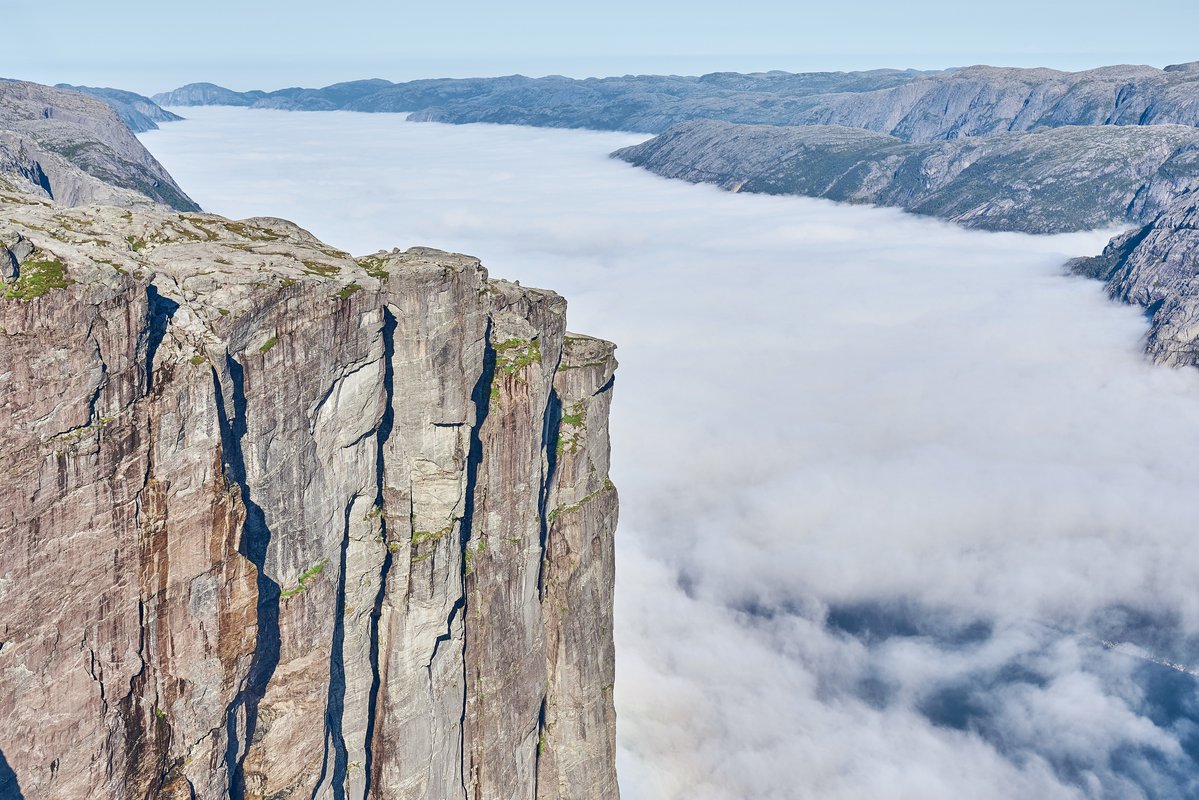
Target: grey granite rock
(75,149)
(282,523)
(1047,181)
(1157,267)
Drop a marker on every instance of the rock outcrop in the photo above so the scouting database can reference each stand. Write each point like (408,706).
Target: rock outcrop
(1049,181)
(1157,267)
(75,150)
(279,523)
(140,113)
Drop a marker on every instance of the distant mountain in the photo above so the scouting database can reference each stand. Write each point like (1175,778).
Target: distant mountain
(649,103)
(907,104)
(140,113)
(1048,181)
(75,149)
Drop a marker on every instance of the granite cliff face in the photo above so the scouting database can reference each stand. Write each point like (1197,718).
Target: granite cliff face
(1157,267)
(75,150)
(1048,181)
(281,523)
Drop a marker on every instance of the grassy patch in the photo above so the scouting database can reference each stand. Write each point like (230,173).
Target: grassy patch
(268,344)
(571,441)
(254,234)
(317,268)
(302,583)
(575,417)
(420,537)
(348,291)
(557,512)
(374,267)
(37,278)
(513,355)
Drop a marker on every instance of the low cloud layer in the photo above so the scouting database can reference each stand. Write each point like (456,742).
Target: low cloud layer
(892,492)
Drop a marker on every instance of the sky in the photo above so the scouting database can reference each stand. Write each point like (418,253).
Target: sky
(887,485)
(155,46)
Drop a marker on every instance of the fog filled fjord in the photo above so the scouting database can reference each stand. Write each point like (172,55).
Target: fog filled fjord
(905,510)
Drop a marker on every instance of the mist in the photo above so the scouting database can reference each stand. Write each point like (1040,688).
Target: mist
(905,511)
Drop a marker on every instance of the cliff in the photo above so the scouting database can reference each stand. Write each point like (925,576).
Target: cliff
(282,523)
(1157,268)
(75,149)
(1049,181)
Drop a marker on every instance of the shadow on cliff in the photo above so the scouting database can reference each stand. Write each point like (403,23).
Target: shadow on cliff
(256,539)
(10,788)
(382,434)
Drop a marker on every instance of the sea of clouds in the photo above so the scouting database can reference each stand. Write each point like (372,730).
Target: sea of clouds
(892,491)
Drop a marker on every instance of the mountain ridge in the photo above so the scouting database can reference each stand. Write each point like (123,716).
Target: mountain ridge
(908,104)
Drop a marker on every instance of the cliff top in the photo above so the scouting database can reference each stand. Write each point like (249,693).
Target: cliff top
(217,269)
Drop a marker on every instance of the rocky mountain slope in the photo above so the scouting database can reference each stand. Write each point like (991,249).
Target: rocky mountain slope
(75,149)
(139,113)
(283,523)
(907,104)
(1048,181)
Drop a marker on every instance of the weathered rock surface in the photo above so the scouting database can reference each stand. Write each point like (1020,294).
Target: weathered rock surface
(140,113)
(1048,181)
(1157,267)
(76,150)
(279,523)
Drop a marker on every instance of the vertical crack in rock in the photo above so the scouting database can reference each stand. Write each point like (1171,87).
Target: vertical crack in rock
(336,702)
(161,310)
(94,400)
(256,538)
(98,678)
(549,445)
(540,745)
(459,604)
(382,434)
(10,787)
(481,395)
(141,646)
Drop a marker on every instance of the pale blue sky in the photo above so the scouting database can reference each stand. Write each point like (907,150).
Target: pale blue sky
(152,46)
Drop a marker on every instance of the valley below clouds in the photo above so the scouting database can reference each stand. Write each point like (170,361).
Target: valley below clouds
(905,510)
